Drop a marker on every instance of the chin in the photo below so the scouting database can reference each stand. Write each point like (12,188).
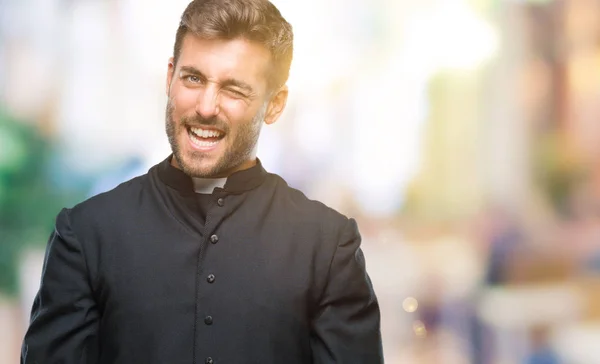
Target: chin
(202,168)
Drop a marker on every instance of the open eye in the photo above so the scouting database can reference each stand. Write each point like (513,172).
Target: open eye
(192,79)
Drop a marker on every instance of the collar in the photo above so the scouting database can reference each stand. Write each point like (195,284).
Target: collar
(207,185)
(238,182)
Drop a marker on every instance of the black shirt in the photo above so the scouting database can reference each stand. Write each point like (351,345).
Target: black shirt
(204,202)
(136,275)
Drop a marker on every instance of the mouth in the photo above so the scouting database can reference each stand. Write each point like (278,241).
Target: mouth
(204,139)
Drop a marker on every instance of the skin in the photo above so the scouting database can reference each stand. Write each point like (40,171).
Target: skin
(220,85)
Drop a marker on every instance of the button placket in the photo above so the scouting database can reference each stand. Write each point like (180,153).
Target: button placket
(210,224)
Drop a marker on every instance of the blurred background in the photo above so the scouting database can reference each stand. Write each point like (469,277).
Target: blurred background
(464,136)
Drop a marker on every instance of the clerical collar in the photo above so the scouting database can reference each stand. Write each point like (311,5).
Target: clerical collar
(236,183)
(207,185)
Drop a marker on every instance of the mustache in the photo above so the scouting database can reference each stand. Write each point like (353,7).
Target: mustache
(199,121)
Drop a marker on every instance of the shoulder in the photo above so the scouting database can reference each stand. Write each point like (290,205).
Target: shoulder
(106,209)
(314,212)
(322,230)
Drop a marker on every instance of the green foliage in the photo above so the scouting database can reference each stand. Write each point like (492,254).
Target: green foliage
(28,203)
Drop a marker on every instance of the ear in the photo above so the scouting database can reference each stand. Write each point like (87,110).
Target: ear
(276,105)
(170,72)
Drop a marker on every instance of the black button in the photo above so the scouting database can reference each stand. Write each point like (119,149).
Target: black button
(221,202)
(209,360)
(214,239)
(210,278)
(208,320)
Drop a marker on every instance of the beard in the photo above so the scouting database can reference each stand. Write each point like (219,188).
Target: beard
(239,144)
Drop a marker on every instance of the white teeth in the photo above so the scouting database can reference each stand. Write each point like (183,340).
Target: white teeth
(205,133)
(203,144)
(197,134)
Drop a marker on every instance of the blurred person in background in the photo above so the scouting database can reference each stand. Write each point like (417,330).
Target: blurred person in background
(208,258)
(542,351)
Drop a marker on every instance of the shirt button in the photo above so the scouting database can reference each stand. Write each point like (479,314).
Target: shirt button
(208,320)
(210,278)
(214,239)
(221,202)
(209,360)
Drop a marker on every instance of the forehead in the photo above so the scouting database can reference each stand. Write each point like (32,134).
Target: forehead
(226,59)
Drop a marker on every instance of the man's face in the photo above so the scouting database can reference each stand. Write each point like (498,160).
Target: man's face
(218,99)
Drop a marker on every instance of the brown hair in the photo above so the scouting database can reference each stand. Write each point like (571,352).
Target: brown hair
(255,20)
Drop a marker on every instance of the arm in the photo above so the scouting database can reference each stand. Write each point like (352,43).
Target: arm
(346,326)
(64,317)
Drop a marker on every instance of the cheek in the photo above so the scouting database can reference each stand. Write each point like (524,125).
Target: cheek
(183,102)
(236,111)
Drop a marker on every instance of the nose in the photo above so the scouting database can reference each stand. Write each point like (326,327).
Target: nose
(207,104)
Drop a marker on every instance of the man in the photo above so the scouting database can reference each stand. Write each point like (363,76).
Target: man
(208,258)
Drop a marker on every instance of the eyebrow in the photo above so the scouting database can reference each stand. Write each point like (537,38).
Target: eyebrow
(228,82)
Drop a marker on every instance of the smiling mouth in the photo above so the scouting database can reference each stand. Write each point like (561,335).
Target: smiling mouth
(205,138)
